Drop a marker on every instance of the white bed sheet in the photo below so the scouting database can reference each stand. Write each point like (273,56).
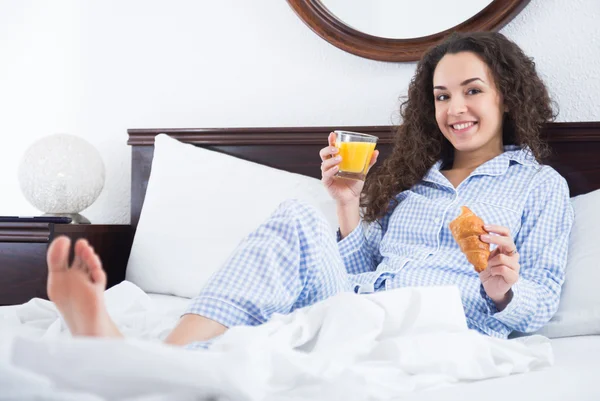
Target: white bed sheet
(169,304)
(575,374)
(329,370)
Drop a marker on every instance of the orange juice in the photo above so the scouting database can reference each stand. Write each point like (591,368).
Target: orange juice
(355,156)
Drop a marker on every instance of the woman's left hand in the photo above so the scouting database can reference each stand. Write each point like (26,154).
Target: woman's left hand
(503,265)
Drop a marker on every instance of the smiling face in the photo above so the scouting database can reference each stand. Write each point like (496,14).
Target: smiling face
(468,106)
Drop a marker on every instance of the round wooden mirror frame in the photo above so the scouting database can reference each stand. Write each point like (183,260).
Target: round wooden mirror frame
(497,14)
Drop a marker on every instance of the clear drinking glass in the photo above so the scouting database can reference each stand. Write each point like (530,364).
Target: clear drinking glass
(356,150)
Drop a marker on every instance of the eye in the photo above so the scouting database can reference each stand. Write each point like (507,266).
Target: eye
(473,91)
(441,98)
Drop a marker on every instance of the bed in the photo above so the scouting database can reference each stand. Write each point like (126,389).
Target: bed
(175,208)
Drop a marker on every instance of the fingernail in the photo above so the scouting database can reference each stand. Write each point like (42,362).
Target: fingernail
(485,237)
(338,158)
(334,150)
(486,226)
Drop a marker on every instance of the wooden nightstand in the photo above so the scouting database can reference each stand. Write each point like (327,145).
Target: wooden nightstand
(23,268)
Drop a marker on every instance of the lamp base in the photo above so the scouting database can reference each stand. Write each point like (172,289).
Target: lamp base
(76,218)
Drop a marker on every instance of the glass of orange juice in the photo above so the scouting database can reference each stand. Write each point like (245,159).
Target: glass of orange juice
(356,150)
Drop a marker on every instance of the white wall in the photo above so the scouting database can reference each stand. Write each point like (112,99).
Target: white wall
(96,68)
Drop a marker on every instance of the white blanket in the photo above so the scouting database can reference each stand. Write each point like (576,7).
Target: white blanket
(349,347)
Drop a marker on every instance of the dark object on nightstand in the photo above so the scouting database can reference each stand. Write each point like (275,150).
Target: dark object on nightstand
(36,219)
(23,268)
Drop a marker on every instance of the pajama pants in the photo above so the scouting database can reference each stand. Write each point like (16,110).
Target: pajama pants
(289,262)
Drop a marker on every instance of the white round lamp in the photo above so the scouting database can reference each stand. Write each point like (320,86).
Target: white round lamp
(61,175)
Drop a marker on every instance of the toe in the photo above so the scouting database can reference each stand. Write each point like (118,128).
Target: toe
(96,272)
(58,254)
(81,247)
(93,264)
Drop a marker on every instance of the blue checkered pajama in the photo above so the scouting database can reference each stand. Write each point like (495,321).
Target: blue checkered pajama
(292,260)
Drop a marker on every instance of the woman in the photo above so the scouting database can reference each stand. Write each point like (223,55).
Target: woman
(470,136)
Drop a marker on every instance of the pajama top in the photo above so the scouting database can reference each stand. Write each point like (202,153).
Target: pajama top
(413,245)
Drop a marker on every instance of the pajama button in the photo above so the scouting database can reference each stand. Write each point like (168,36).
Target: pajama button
(437,220)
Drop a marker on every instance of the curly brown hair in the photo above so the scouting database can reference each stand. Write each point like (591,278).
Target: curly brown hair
(418,141)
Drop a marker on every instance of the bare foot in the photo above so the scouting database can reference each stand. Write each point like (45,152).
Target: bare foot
(78,290)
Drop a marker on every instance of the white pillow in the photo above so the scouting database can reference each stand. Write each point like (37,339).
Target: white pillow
(199,205)
(579,309)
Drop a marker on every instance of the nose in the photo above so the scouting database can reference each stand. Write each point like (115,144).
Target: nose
(457,106)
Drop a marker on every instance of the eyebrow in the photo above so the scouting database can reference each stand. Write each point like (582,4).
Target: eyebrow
(463,83)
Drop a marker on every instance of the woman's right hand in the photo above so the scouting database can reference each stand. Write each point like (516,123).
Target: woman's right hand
(343,191)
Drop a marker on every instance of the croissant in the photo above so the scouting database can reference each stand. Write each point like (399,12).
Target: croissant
(466,230)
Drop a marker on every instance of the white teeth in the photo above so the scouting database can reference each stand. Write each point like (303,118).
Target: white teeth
(462,126)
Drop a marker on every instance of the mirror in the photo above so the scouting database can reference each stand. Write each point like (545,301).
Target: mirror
(403,19)
(400,30)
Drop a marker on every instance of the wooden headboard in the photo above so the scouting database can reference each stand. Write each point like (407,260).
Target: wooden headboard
(575,151)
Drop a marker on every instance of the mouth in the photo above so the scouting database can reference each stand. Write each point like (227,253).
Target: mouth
(462,127)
